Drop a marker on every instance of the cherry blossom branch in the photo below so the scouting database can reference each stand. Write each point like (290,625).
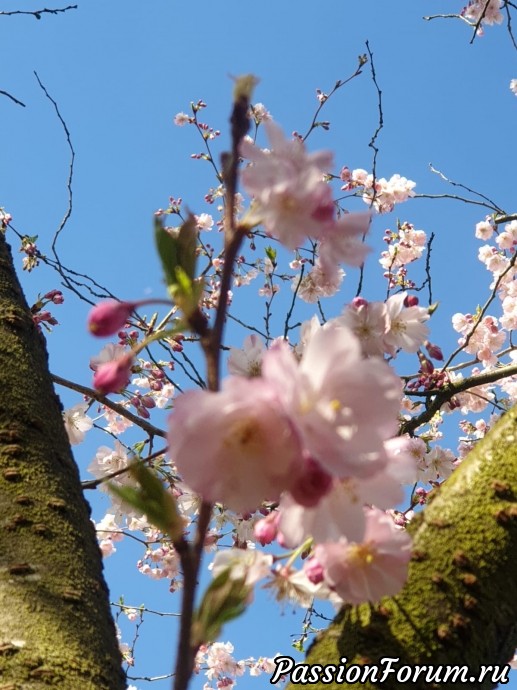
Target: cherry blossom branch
(505,218)
(482,312)
(325,97)
(116,407)
(445,394)
(37,13)
(211,340)
(145,610)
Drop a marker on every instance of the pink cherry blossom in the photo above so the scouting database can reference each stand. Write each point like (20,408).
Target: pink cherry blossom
(484,230)
(291,196)
(339,511)
(336,515)
(333,395)
(343,241)
(77,423)
(369,323)
(437,464)
(237,446)
(246,361)
(109,353)
(371,569)
(407,330)
(320,282)
(246,564)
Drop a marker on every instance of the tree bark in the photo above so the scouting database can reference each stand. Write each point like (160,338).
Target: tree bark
(459,605)
(56,629)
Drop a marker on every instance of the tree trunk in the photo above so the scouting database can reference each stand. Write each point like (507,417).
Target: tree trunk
(459,605)
(56,628)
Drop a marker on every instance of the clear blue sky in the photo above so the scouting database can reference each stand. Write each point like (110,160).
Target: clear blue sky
(120,71)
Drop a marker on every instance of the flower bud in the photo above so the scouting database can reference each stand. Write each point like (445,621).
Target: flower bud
(434,351)
(314,483)
(266,530)
(113,376)
(107,317)
(411,301)
(314,571)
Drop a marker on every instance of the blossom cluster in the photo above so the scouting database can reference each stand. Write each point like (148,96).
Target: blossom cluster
(293,200)
(484,11)
(219,665)
(300,434)
(380,193)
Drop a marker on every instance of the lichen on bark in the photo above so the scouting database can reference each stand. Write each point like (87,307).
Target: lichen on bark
(56,628)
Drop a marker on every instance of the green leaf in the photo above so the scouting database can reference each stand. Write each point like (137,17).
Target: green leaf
(271,254)
(187,243)
(152,499)
(224,600)
(168,251)
(178,257)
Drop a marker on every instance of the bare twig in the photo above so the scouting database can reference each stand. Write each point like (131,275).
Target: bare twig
(15,100)
(373,145)
(68,211)
(37,13)
(493,205)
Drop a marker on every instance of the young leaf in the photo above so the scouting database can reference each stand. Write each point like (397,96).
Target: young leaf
(224,600)
(152,499)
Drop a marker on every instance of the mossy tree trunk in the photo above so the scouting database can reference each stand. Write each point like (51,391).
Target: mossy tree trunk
(459,606)
(55,624)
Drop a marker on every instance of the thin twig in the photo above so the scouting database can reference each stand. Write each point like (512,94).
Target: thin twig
(15,100)
(37,13)
(116,407)
(68,211)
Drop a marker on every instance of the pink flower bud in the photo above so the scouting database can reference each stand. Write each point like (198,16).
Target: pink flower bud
(434,351)
(313,484)
(265,530)
(411,301)
(142,412)
(113,376)
(426,366)
(358,302)
(314,571)
(106,318)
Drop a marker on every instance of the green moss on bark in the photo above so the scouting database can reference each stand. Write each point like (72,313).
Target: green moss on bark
(56,628)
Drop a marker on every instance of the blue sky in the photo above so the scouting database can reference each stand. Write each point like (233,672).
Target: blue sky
(120,71)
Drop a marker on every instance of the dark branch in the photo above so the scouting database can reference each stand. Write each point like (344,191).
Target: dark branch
(37,13)
(15,100)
